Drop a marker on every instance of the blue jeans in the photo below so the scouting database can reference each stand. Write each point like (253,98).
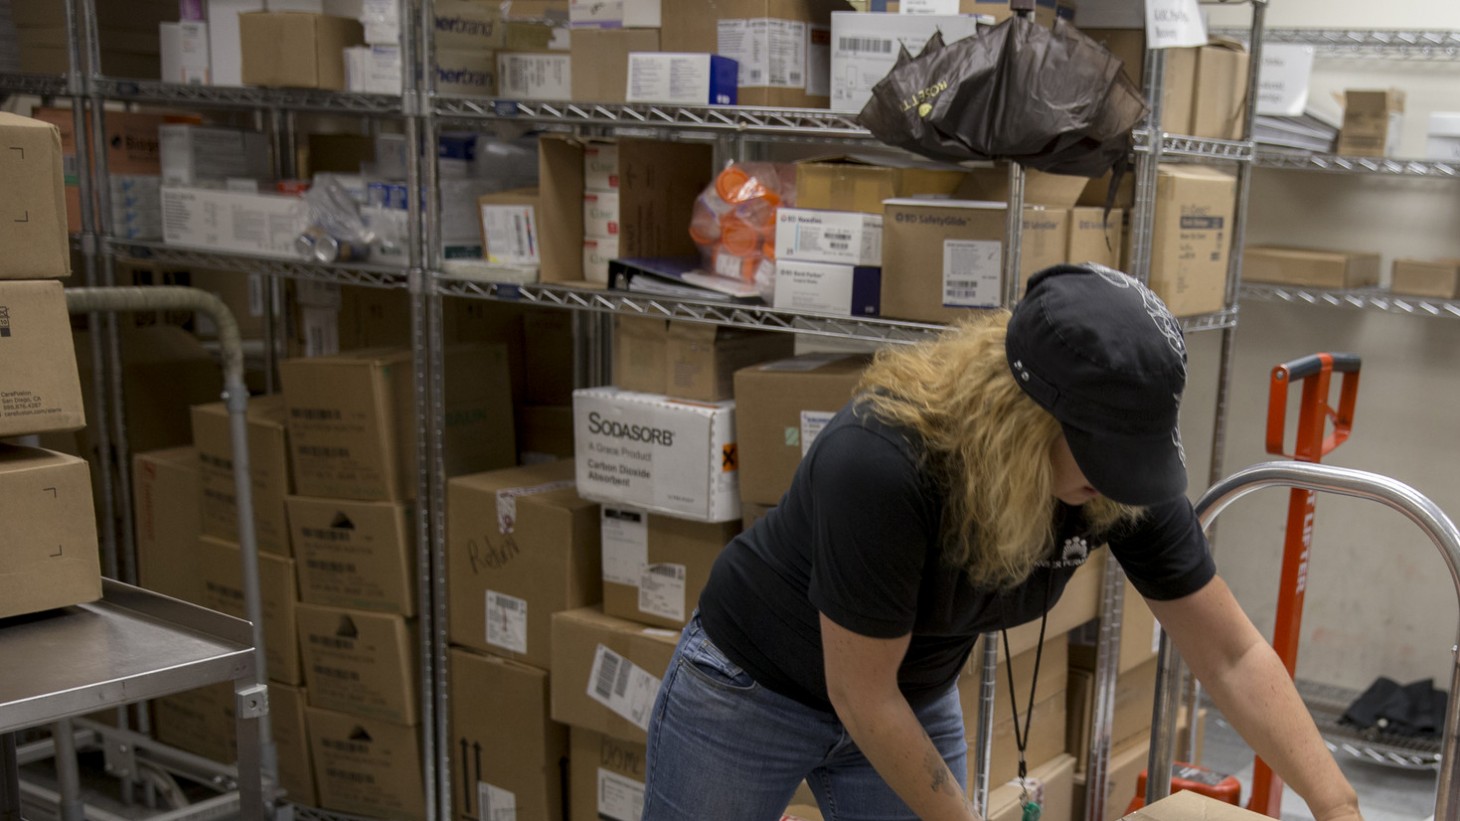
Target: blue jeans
(723,748)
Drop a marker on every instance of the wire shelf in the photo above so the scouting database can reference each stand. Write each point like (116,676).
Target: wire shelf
(753,317)
(1334,164)
(1389,44)
(292,99)
(303,813)
(1365,298)
(374,276)
(1327,703)
(39,85)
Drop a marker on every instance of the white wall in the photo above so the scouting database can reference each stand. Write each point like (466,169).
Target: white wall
(1380,601)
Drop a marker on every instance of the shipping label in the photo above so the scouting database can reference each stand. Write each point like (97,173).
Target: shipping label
(625,545)
(510,232)
(771,52)
(972,272)
(661,591)
(506,622)
(507,501)
(812,423)
(495,803)
(928,7)
(623,687)
(619,798)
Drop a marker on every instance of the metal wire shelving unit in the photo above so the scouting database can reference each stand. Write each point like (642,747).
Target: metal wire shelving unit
(1372,299)
(1387,44)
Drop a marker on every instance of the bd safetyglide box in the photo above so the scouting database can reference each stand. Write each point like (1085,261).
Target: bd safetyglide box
(647,450)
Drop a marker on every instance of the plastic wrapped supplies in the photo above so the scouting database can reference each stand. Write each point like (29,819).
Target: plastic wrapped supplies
(734,221)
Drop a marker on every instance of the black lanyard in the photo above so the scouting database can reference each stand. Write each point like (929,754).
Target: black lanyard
(1031,810)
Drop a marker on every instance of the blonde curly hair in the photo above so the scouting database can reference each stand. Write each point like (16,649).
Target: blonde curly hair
(987,444)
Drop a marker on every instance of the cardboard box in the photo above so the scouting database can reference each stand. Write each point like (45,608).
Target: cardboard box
(547,353)
(1096,236)
(827,288)
(366,766)
(1049,190)
(225,46)
(48,554)
(1187,804)
(521,546)
(1047,728)
(585,14)
(854,183)
(1139,636)
(702,359)
(782,406)
(1442,141)
(1371,122)
(268,457)
(352,420)
(33,219)
(1056,778)
(589,651)
(169,519)
(782,47)
(682,78)
(1432,278)
(942,258)
(220,574)
(544,433)
(600,213)
(534,75)
(1124,767)
(655,567)
(641,354)
(287,706)
(752,512)
(651,451)
(1310,268)
(296,49)
(373,69)
(184,52)
(259,224)
(1219,96)
(510,228)
(864,47)
(466,72)
(843,237)
(1192,237)
(605,776)
(40,389)
(470,25)
(495,701)
(657,179)
(1135,694)
(359,662)
(358,555)
(607,51)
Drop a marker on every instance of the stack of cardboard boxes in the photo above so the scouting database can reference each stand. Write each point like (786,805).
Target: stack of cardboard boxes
(48,551)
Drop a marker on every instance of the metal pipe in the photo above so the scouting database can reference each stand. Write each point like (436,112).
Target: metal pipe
(235,397)
(9,779)
(1014,235)
(1107,672)
(1359,484)
(984,748)
(68,775)
(1143,216)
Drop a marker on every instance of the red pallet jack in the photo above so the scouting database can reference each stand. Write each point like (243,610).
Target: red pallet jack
(1312,444)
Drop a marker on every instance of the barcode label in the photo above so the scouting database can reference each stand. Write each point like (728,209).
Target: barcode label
(507,501)
(811,424)
(506,622)
(972,272)
(495,803)
(868,45)
(661,591)
(625,536)
(619,798)
(621,686)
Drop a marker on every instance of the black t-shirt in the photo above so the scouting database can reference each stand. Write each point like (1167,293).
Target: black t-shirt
(857,537)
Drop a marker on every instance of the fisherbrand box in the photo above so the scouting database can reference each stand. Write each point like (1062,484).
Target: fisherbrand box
(666,455)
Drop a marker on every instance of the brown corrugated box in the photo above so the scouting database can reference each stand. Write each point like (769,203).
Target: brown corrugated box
(48,554)
(1057,800)
(1138,636)
(33,216)
(1047,728)
(1192,237)
(1310,268)
(752,512)
(544,433)
(847,182)
(1134,695)
(353,554)
(352,420)
(367,766)
(1096,236)
(596,759)
(296,49)
(168,520)
(1050,190)
(1186,804)
(220,573)
(702,359)
(779,407)
(641,354)
(1371,122)
(679,556)
(578,636)
(1125,765)
(268,457)
(521,546)
(607,51)
(1438,278)
(502,738)
(359,662)
(40,386)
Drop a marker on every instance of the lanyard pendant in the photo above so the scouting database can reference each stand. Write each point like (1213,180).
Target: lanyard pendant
(1032,811)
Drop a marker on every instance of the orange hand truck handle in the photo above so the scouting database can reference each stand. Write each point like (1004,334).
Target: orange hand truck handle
(1312,444)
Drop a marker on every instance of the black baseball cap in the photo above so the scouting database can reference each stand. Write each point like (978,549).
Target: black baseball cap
(1101,352)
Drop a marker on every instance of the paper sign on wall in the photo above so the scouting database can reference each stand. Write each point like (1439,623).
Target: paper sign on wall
(1174,24)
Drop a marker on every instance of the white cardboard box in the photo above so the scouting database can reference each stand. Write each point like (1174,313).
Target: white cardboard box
(682,79)
(1443,142)
(261,224)
(184,52)
(828,288)
(650,451)
(225,52)
(864,47)
(373,69)
(845,237)
(194,154)
(614,14)
(535,75)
